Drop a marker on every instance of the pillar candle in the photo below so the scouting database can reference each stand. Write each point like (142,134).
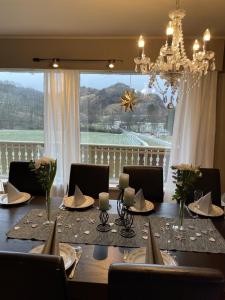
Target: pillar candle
(103,201)
(128,199)
(123,181)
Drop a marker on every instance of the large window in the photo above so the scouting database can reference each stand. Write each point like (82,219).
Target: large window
(21,117)
(21,102)
(112,136)
(109,135)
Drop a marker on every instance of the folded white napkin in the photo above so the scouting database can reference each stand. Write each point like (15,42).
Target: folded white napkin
(205,203)
(12,193)
(51,245)
(78,198)
(139,200)
(153,254)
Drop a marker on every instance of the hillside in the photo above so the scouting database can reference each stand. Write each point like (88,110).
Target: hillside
(22,108)
(104,106)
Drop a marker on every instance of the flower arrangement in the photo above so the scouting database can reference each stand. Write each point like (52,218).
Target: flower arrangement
(184,176)
(45,170)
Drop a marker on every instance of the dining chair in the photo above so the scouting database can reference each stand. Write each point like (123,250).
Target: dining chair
(24,179)
(145,281)
(91,179)
(209,182)
(32,276)
(150,179)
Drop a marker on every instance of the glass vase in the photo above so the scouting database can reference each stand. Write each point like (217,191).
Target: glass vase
(48,208)
(181,214)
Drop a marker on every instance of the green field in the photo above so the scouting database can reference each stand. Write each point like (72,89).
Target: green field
(104,138)
(22,135)
(99,138)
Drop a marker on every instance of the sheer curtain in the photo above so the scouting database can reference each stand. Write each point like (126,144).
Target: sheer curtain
(194,126)
(61,122)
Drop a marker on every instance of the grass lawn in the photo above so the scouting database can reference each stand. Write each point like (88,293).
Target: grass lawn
(22,135)
(98,138)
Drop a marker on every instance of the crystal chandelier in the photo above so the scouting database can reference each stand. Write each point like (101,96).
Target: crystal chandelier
(172,64)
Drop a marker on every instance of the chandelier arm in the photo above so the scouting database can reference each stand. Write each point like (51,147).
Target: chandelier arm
(158,87)
(177,4)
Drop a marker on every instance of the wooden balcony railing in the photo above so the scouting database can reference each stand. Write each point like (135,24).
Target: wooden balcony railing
(114,155)
(10,151)
(117,156)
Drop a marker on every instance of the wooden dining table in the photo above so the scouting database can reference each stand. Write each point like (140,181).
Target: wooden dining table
(91,275)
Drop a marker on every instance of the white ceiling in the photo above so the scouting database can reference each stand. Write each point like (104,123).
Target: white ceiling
(61,18)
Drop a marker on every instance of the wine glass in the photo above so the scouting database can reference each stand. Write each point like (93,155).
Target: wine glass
(2,190)
(223,203)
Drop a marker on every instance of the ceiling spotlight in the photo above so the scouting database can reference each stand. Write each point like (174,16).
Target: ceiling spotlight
(111,64)
(55,63)
(36,59)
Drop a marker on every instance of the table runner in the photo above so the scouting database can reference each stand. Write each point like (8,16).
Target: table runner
(200,235)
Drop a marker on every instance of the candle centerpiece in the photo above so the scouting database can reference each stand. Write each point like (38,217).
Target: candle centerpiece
(123,183)
(128,201)
(103,216)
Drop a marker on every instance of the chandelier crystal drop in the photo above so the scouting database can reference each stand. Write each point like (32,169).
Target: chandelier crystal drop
(172,64)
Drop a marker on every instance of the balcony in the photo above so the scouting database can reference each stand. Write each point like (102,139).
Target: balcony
(10,151)
(114,155)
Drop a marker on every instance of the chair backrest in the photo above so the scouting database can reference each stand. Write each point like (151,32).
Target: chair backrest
(143,281)
(32,276)
(150,179)
(91,179)
(24,179)
(209,182)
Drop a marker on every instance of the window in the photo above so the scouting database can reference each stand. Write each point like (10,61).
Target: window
(21,117)
(112,136)
(109,135)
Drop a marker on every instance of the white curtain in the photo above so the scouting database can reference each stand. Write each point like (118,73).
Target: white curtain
(194,126)
(61,122)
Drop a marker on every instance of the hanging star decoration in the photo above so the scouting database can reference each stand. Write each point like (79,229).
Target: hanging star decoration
(128,100)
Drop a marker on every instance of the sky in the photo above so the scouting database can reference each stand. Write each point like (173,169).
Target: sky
(99,81)
(24,79)
(35,80)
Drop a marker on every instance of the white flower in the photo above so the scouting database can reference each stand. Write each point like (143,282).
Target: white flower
(187,167)
(43,161)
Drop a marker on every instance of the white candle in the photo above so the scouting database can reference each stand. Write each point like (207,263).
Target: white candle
(128,199)
(123,181)
(103,201)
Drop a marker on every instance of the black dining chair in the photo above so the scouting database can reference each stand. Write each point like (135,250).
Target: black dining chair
(144,281)
(91,179)
(24,179)
(209,182)
(32,276)
(150,179)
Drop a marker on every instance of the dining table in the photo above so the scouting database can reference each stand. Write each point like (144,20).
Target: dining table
(91,275)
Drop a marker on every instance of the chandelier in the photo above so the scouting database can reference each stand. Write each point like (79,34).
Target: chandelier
(172,64)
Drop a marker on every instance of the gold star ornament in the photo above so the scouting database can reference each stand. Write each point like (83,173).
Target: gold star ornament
(128,100)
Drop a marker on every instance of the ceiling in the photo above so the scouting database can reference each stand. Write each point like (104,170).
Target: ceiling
(98,18)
